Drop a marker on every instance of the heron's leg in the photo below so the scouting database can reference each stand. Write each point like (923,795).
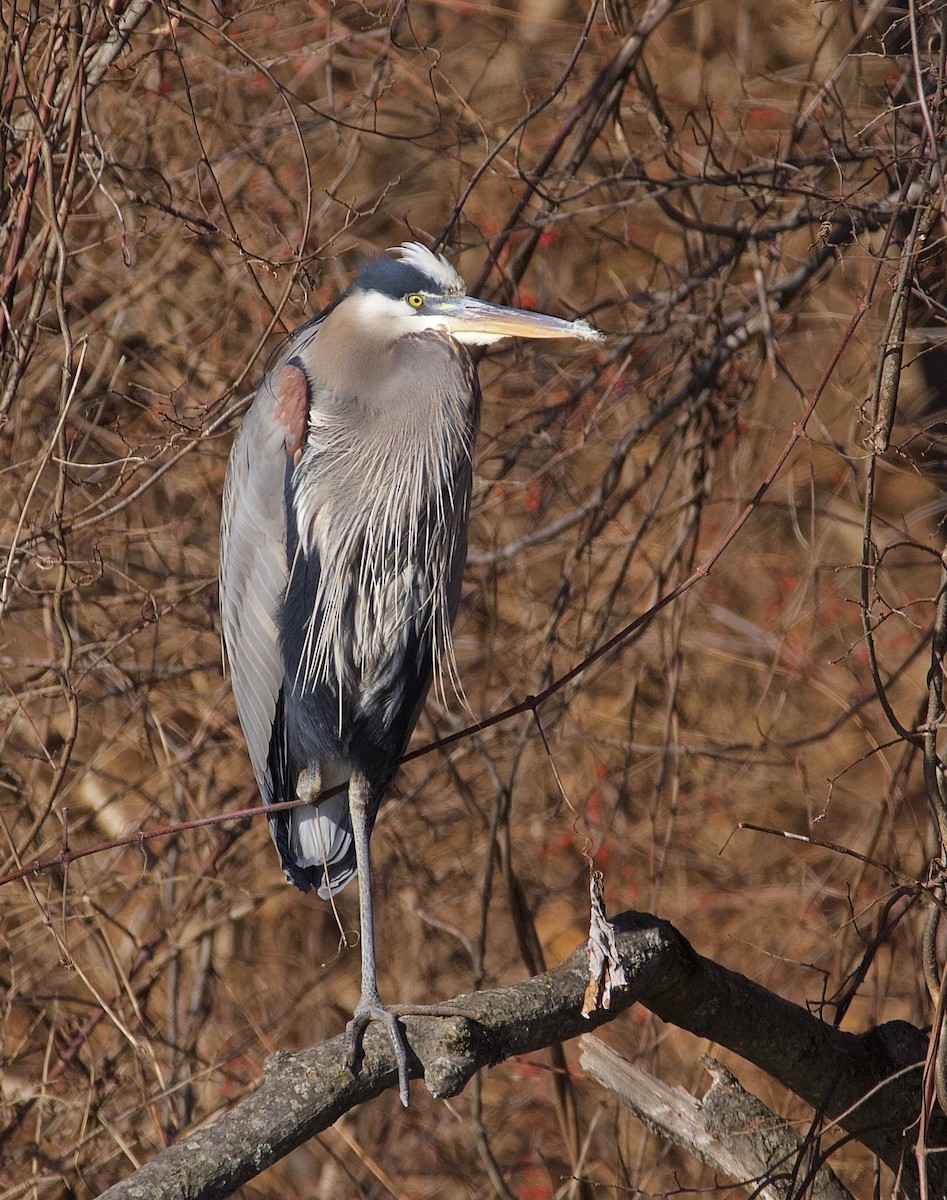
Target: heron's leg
(370,1007)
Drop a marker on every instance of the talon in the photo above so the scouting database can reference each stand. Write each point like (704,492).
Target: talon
(355,1031)
(352,1041)
(388,1015)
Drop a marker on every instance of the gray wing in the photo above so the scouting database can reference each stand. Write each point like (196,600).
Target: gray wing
(253,555)
(254,570)
(253,576)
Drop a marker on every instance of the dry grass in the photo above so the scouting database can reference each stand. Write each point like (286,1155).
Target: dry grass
(215,187)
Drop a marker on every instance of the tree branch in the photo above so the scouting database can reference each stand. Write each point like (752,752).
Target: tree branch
(869,1082)
(729,1130)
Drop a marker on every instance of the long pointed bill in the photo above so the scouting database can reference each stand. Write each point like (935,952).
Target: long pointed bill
(471,320)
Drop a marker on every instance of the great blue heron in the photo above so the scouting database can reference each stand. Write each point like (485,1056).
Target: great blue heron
(343,541)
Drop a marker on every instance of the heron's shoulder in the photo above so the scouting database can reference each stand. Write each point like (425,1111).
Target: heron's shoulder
(296,342)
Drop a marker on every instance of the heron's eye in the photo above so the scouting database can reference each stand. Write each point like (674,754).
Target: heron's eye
(415,300)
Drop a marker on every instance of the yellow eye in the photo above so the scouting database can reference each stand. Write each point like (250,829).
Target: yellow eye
(415,300)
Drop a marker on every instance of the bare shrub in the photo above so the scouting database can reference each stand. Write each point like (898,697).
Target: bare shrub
(741,195)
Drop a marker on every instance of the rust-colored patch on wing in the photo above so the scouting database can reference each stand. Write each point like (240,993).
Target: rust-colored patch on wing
(292,407)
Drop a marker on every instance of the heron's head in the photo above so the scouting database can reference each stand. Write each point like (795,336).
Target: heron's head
(419,290)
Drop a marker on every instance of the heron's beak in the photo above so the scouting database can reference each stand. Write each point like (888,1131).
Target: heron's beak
(476,322)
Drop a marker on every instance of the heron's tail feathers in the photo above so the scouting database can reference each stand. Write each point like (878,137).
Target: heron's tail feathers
(315,845)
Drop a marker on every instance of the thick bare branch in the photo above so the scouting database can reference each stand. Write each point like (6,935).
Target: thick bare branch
(870,1083)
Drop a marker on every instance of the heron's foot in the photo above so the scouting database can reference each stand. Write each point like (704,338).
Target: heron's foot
(388,1014)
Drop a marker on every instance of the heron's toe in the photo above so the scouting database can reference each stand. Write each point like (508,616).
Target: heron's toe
(367,1012)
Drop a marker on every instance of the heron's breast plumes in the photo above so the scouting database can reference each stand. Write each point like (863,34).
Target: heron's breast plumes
(383,504)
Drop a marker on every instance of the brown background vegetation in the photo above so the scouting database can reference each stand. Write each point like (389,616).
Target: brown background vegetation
(720,206)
